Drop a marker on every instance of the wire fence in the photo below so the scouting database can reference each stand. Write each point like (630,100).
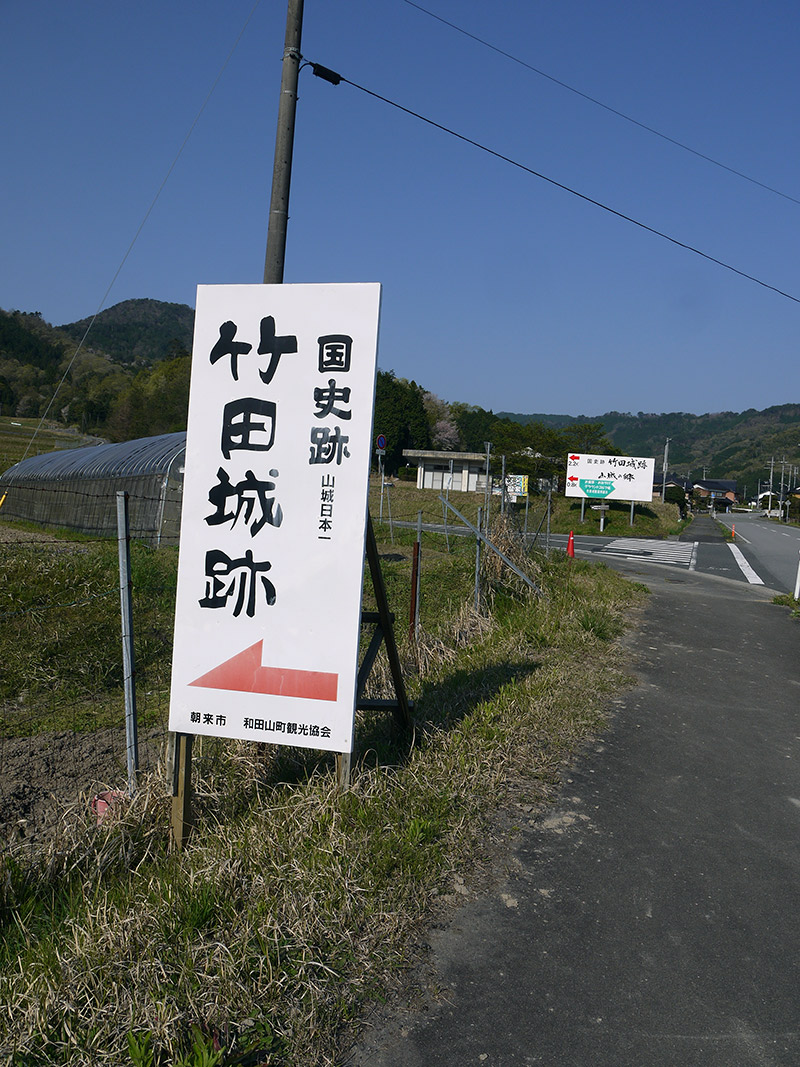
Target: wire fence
(398,508)
(62,680)
(62,708)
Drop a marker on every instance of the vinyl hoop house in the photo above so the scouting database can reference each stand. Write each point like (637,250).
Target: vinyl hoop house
(76,488)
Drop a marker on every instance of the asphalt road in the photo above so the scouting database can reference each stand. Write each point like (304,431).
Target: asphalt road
(774,546)
(652,917)
(763,552)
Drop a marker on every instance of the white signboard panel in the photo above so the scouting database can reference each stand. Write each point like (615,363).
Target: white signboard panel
(274,513)
(517,484)
(610,477)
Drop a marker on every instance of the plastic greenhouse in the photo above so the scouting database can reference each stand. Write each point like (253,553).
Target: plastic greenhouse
(76,488)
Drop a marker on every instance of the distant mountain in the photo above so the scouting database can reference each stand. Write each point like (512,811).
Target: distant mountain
(130,378)
(726,444)
(558,422)
(138,331)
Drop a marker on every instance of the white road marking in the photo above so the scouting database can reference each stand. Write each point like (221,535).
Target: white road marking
(644,550)
(744,566)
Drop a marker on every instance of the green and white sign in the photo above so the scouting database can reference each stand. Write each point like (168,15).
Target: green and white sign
(593,487)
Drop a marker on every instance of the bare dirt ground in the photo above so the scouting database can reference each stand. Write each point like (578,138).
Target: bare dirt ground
(42,776)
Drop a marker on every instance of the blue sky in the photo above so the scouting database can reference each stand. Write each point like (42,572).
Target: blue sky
(499,289)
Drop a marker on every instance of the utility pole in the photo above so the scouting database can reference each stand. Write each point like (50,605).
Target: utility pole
(664,478)
(771,475)
(284,145)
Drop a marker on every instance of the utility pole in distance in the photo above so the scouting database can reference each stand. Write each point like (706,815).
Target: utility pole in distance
(284,146)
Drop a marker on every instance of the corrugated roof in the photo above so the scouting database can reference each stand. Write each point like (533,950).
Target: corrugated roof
(147,455)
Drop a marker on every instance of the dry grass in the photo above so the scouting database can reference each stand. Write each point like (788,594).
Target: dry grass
(294,903)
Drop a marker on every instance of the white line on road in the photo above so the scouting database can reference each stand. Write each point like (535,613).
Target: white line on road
(744,566)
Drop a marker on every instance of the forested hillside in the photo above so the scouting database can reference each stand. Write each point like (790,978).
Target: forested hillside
(726,444)
(138,331)
(131,379)
(136,386)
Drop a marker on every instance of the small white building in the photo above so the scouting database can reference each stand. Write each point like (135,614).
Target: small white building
(459,471)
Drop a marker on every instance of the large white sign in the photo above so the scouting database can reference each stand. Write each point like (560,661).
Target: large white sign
(274,513)
(610,477)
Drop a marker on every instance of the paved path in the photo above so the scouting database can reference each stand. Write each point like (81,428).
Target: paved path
(652,917)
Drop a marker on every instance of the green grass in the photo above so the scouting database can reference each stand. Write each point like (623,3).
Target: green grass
(404,500)
(292,909)
(16,434)
(60,633)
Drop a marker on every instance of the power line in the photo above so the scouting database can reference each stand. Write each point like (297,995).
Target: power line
(599,103)
(141,226)
(331,76)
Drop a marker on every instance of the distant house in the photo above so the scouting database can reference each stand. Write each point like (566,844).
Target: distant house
(673,481)
(715,488)
(463,472)
(720,490)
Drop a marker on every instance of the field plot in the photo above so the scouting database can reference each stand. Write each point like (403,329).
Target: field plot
(62,716)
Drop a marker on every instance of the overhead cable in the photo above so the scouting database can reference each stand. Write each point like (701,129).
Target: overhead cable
(606,107)
(141,226)
(327,75)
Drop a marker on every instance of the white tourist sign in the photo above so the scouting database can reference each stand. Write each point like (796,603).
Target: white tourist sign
(609,477)
(274,513)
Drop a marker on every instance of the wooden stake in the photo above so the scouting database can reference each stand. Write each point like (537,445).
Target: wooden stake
(182,814)
(343,770)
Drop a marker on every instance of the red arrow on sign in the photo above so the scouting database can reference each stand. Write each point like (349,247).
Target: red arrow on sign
(574,457)
(573,478)
(243,673)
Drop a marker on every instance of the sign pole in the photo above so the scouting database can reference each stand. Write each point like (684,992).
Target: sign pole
(182,815)
(380,461)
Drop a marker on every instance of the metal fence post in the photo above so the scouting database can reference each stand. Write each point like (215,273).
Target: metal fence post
(418,576)
(128,662)
(478,564)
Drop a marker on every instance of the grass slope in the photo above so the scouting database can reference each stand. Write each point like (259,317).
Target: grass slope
(16,434)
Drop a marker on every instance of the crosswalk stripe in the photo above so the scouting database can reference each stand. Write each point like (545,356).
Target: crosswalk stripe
(678,553)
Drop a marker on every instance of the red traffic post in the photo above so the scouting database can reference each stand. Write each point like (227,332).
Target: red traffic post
(571,546)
